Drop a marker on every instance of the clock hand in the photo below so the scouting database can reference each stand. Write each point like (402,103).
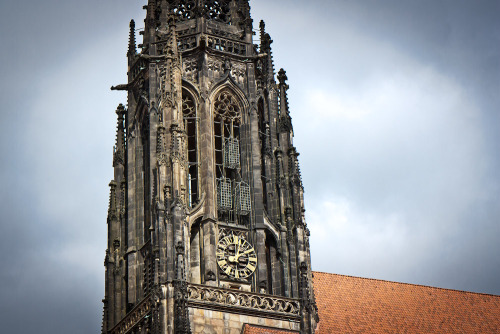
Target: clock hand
(238,255)
(237,252)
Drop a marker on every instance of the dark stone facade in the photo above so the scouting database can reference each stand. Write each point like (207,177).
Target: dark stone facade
(206,228)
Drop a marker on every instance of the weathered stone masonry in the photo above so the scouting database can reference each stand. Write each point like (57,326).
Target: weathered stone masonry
(206,228)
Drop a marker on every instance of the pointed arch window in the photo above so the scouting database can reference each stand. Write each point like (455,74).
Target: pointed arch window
(191,130)
(263,129)
(233,195)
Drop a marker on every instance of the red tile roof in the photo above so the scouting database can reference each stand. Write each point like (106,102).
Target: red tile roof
(254,329)
(349,304)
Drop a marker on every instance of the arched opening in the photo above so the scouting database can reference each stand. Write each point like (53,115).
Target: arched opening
(274,267)
(143,167)
(233,195)
(263,137)
(195,261)
(191,129)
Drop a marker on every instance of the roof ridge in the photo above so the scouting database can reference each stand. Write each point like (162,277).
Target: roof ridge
(403,283)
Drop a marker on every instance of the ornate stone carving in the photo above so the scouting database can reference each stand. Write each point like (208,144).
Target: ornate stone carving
(131,132)
(210,276)
(215,67)
(252,302)
(190,69)
(217,30)
(224,232)
(239,71)
(186,43)
(285,123)
(226,45)
(227,107)
(135,317)
(216,10)
(188,107)
(181,311)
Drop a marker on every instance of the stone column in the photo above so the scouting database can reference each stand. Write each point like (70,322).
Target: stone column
(209,246)
(260,247)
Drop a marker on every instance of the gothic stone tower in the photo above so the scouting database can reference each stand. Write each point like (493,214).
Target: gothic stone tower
(206,229)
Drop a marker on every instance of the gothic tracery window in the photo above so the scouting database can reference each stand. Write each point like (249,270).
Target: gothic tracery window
(263,138)
(190,128)
(233,195)
(216,10)
(184,9)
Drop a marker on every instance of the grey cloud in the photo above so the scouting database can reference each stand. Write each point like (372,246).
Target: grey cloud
(439,174)
(60,58)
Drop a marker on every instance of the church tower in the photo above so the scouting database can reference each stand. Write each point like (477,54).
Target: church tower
(206,228)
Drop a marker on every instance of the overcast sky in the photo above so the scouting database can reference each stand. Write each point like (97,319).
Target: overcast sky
(395,106)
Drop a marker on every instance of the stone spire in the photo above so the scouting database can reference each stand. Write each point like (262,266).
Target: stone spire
(119,152)
(265,48)
(112,200)
(131,40)
(285,121)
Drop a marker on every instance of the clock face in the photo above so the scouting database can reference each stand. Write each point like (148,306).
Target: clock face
(236,257)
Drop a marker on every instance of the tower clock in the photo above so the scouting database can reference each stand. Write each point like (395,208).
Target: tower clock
(236,257)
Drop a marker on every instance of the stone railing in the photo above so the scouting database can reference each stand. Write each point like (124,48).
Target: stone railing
(205,296)
(226,45)
(138,313)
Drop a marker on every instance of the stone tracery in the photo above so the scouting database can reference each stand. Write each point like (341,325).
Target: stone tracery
(227,107)
(216,10)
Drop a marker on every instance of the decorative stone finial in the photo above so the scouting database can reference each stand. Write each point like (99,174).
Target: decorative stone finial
(131,42)
(112,199)
(119,152)
(282,77)
(262,27)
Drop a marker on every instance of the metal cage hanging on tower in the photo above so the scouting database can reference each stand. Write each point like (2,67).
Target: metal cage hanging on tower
(242,198)
(231,153)
(224,198)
